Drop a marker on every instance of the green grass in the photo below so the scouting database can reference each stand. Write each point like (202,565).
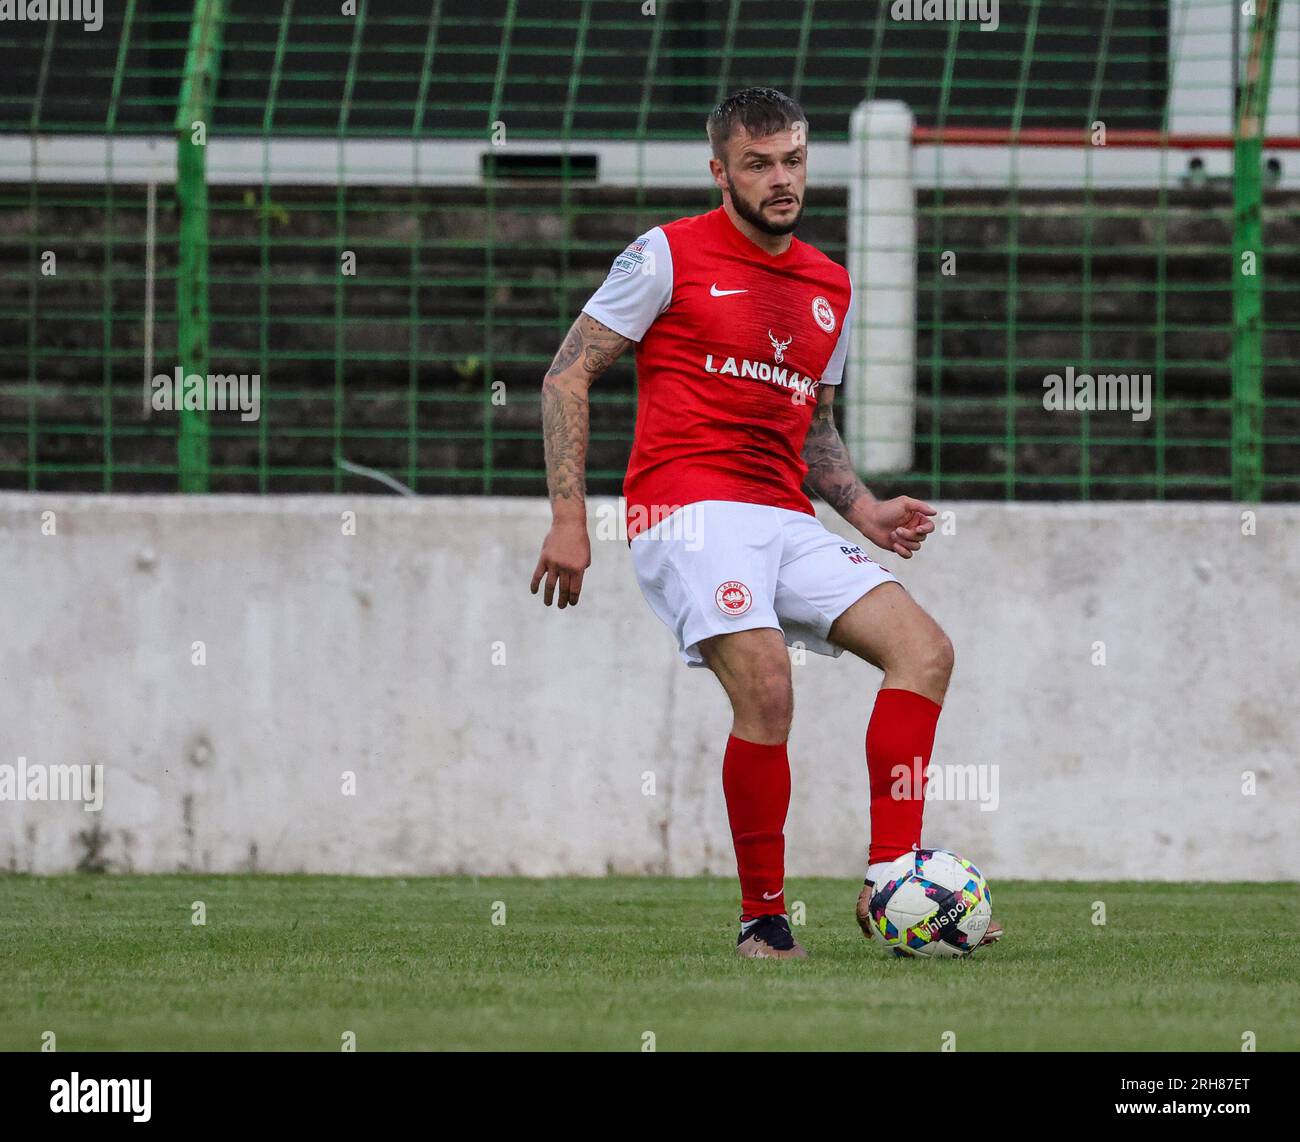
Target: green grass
(292,962)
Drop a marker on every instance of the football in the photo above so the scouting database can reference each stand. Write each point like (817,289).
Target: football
(931,902)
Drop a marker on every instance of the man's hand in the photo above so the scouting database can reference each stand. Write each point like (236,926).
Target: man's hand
(566,554)
(899,525)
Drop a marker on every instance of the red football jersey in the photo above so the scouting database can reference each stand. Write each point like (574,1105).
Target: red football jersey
(733,344)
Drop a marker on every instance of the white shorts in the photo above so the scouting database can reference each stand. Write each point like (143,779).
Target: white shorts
(717,567)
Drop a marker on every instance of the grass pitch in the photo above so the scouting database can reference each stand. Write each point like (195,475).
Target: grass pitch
(294,962)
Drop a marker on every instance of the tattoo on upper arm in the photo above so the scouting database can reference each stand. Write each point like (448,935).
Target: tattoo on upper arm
(569,352)
(595,345)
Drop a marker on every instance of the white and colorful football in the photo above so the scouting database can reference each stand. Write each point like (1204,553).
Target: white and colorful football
(931,902)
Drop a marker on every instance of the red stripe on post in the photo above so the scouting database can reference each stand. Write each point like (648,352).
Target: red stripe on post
(1068,137)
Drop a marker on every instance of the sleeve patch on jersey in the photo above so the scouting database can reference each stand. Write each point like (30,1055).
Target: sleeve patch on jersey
(630,259)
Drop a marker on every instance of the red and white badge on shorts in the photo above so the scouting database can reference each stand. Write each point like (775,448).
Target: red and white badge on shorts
(733,597)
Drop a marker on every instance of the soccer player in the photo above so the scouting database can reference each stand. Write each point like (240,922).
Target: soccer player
(741,332)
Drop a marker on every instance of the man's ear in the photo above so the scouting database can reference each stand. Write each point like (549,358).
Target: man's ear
(719,173)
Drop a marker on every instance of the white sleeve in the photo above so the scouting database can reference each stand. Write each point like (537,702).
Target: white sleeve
(638,288)
(835,366)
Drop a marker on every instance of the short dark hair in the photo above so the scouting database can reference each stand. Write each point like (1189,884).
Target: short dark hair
(760,110)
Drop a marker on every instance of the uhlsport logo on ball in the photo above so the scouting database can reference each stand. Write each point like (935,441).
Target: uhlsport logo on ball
(931,902)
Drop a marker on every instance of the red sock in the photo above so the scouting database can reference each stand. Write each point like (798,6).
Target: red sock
(901,731)
(756,782)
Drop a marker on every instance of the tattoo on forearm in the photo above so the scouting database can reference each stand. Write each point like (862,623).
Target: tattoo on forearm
(830,471)
(564,433)
(593,347)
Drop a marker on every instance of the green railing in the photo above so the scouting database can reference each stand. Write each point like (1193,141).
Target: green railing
(399,315)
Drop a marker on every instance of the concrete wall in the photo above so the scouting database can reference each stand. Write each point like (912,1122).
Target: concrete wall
(491,735)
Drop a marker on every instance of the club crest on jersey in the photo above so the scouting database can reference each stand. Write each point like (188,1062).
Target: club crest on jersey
(823,314)
(733,597)
(778,346)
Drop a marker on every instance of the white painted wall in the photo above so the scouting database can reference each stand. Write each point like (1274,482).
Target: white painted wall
(374,654)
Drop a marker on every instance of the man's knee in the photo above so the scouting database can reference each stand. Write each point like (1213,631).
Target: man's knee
(768,699)
(941,657)
(754,669)
(762,697)
(933,659)
(925,659)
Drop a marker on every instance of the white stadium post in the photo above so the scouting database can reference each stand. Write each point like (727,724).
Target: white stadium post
(880,377)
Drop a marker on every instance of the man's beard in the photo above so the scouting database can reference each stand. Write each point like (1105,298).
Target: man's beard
(755,218)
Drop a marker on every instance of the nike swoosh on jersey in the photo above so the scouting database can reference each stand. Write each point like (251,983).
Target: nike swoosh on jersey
(715,292)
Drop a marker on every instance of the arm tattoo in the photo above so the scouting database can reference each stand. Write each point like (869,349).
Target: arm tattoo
(564,433)
(830,471)
(588,350)
(595,345)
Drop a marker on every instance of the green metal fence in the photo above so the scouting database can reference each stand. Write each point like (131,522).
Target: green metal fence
(399,315)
